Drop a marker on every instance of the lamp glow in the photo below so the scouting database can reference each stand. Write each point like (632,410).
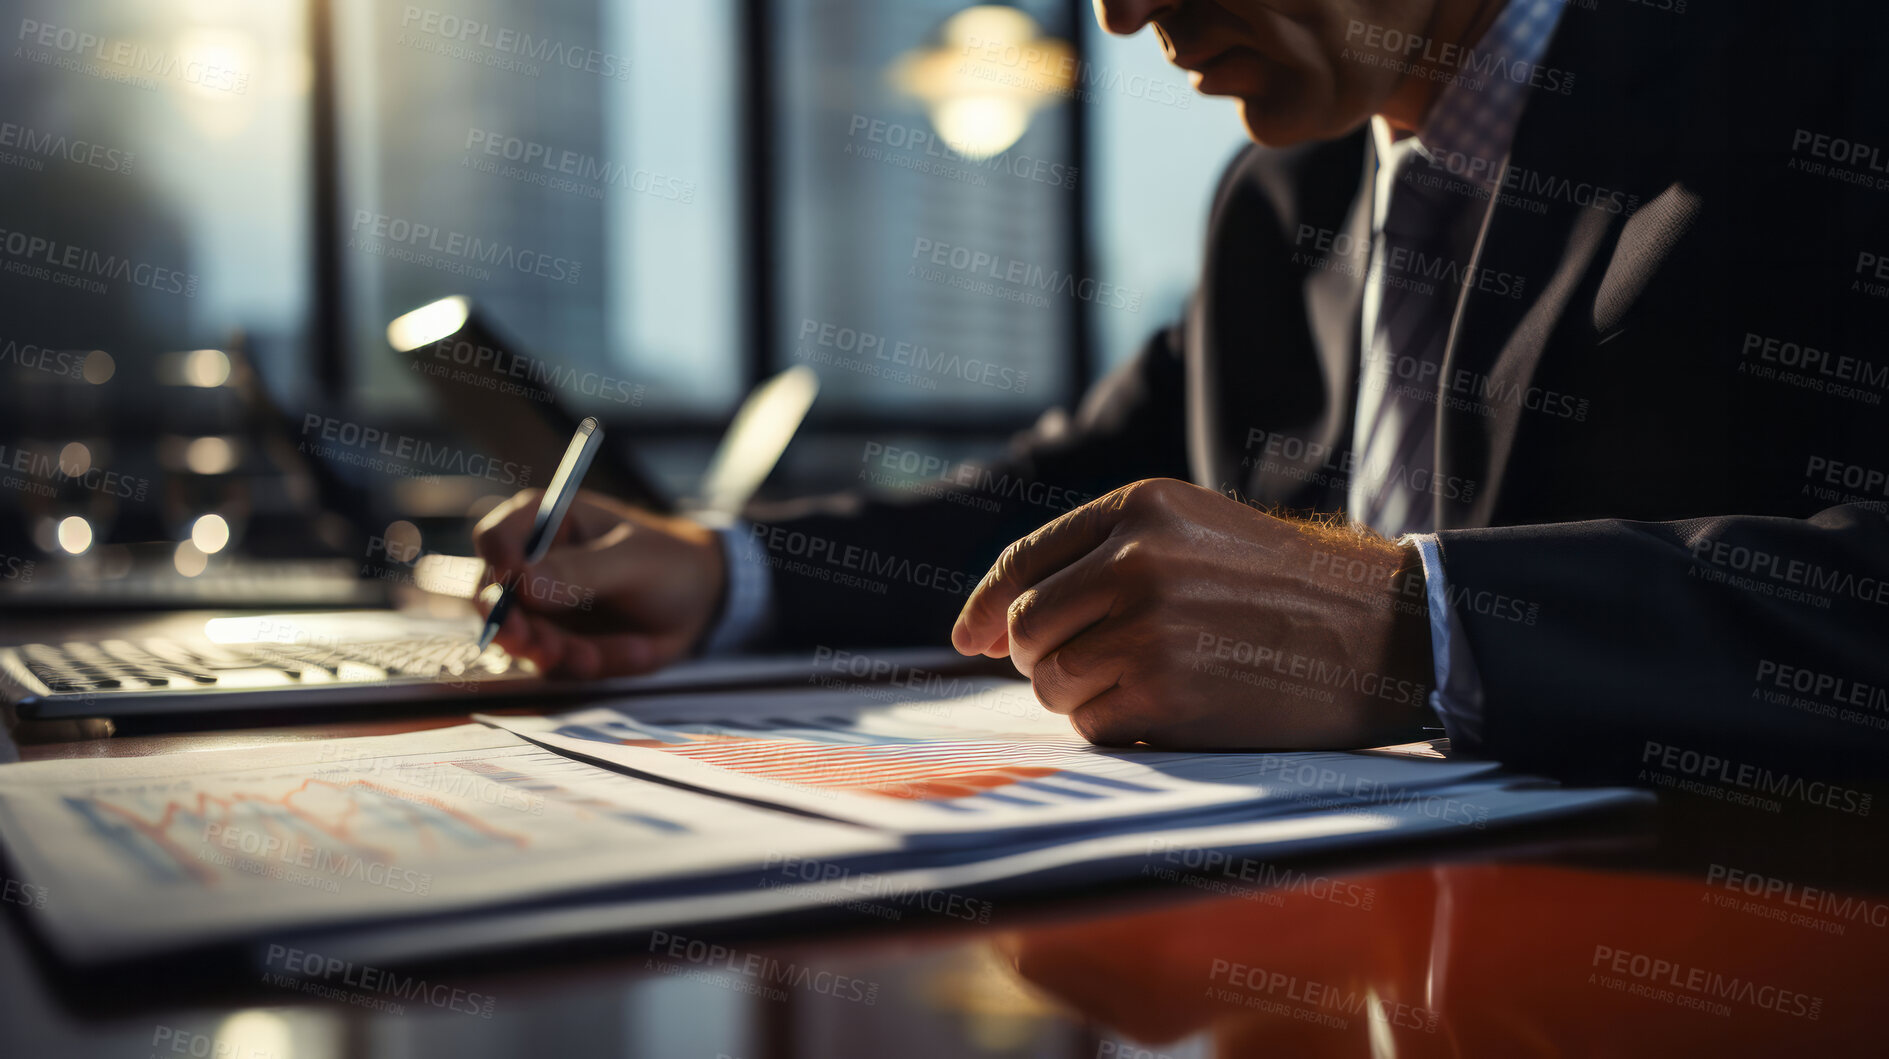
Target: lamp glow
(988,73)
(429,323)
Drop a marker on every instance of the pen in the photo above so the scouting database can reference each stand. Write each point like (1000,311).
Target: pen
(556,501)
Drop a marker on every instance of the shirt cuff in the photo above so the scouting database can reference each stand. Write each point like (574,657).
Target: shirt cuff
(1457,699)
(748,609)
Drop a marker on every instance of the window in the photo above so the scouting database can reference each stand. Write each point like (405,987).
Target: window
(968,209)
(927,209)
(170,139)
(1160,149)
(570,166)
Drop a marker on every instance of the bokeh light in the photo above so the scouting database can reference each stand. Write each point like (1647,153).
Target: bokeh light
(75,535)
(206,368)
(210,533)
(99,367)
(190,559)
(210,455)
(75,459)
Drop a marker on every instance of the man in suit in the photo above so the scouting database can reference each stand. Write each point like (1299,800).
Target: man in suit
(1534,387)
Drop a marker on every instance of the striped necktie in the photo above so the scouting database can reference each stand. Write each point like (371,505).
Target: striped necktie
(1409,302)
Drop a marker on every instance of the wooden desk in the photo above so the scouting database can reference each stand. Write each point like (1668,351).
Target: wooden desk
(1699,928)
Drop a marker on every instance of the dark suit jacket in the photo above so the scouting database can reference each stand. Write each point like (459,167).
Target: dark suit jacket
(1641,537)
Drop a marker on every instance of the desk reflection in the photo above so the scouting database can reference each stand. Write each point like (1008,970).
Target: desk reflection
(1484,960)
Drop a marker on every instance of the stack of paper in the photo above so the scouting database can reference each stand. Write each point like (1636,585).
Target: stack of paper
(670,809)
(933,777)
(139,854)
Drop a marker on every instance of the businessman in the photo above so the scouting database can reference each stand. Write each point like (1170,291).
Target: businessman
(1534,388)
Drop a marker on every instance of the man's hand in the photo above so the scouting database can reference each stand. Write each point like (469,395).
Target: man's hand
(1167,613)
(621,591)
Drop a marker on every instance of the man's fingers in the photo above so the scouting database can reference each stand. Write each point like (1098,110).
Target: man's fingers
(1117,717)
(1028,561)
(593,559)
(630,654)
(514,633)
(581,661)
(561,653)
(535,632)
(573,575)
(1057,609)
(1080,670)
(501,535)
(540,640)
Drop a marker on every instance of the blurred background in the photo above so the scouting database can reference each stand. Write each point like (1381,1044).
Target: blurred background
(210,210)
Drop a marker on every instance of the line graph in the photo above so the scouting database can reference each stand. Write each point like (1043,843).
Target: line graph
(145,853)
(411,811)
(163,830)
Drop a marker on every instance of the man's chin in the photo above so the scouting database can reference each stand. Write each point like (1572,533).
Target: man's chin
(1276,126)
(1266,127)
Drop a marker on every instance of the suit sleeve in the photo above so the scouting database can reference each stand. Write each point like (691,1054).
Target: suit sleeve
(858,569)
(1741,653)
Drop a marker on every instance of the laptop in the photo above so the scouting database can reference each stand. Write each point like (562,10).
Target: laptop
(342,657)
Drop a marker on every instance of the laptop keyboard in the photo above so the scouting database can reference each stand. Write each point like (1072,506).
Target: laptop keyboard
(124,665)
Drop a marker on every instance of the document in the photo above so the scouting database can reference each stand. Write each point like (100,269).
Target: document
(970,768)
(1229,860)
(137,854)
(672,809)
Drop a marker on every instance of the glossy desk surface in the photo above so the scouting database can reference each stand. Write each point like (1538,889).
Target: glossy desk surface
(1697,928)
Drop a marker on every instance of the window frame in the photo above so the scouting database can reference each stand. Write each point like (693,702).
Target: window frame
(760,355)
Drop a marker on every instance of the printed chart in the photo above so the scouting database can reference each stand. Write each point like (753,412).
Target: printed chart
(887,769)
(192,846)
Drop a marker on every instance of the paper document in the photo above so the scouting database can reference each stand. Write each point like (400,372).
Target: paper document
(139,853)
(1248,858)
(626,816)
(949,770)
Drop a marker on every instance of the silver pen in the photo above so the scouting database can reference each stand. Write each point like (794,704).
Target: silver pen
(557,500)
